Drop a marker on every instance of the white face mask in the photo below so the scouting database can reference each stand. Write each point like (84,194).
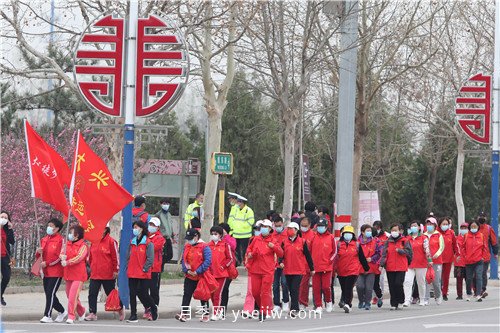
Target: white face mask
(3,221)
(214,238)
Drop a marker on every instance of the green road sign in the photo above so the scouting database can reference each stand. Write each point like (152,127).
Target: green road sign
(222,163)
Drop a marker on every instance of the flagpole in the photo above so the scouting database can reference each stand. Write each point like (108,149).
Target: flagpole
(38,239)
(72,186)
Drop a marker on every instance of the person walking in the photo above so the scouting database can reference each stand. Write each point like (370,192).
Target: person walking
(307,234)
(450,249)
(436,247)
(396,255)
(50,249)
(372,251)
(492,242)
(158,241)
(323,253)
(104,267)
(75,271)
(474,250)
(249,305)
(7,240)
(166,230)
(241,228)
(378,285)
(350,260)
(418,266)
(279,277)
(459,262)
(139,263)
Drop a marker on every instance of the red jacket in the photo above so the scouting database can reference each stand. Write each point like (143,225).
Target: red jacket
(323,252)
(144,217)
(419,252)
(262,260)
(222,258)
(308,236)
(392,260)
(371,249)
(347,258)
(52,246)
(295,257)
(450,245)
(158,241)
(104,259)
(382,238)
(193,258)
(459,258)
(434,244)
(76,258)
(474,247)
(138,259)
(490,237)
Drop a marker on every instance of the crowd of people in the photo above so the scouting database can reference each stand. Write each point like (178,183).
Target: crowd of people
(281,260)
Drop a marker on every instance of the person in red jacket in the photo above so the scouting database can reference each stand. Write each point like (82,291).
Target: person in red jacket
(261,262)
(459,262)
(372,250)
(279,277)
(492,243)
(436,246)
(450,249)
(231,241)
(418,267)
(349,261)
(139,210)
(323,252)
(75,271)
(222,258)
(140,261)
(395,256)
(104,267)
(296,257)
(378,285)
(473,250)
(307,234)
(50,249)
(7,260)
(155,237)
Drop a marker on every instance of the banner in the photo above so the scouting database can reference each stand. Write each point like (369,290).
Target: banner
(306,179)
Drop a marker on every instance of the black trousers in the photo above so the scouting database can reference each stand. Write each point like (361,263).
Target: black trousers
(154,287)
(395,281)
(376,287)
(94,286)
(139,288)
(486,264)
(189,288)
(347,285)
(168,252)
(225,293)
(293,283)
(241,249)
(50,287)
(6,270)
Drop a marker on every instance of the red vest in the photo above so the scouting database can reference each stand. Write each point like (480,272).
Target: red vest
(78,271)
(323,248)
(137,259)
(263,259)
(103,259)
(158,241)
(4,242)
(294,258)
(52,246)
(474,247)
(434,247)
(459,258)
(419,258)
(221,256)
(348,260)
(396,262)
(369,249)
(450,245)
(193,258)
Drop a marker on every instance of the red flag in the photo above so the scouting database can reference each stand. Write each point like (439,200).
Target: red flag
(48,171)
(96,197)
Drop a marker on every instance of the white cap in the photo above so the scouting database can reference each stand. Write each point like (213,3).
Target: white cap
(241,198)
(267,223)
(232,194)
(293,225)
(258,223)
(155,221)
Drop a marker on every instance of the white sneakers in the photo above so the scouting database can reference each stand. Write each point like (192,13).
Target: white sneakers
(329,307)
(61,316)
(347,308)
(70,321)
(422,303)
(302,307)
(82,318)
(406,304)
(286,306)
(46,320)
(319,310)
(439,300)
(276,309)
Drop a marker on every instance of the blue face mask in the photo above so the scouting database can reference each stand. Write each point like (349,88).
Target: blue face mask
(136,232)
(256,232)
(414,230)
(152,229)
(445,227)
(279,230)
(194,213)
(264,231)
(304,229)
(71,237)
(473,230)
(50,231)
(321,229)
(368,234)
(191,241)
(463,231)
(348,236)
(430,228)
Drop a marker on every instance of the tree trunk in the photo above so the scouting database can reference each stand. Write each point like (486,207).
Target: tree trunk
(432,188)
(289,150)
(458,180)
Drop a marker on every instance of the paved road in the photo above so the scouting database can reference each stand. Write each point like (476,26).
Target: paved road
(451,316)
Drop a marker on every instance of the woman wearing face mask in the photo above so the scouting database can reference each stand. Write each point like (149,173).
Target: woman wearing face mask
(222,258)
(323,252)
(75,271)
(279,277)
(307,234)
(349,261)
(158,241)
(140,262)
(371,249)
(418,266)
(50,249)
(378,285)
(231,241)
(395,256)
(196,259)
(261,254)
(295,258)
(473,250)
(450,249)
(436,246)
(166,229)
(459,262)
(249,305)
(104,267)
(7,241)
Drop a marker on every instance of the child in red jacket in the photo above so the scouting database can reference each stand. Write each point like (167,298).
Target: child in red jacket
(158,241)
(474,250)
(459,262)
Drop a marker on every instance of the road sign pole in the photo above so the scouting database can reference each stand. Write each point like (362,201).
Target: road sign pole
(128,151)
(222,189)
(496,132)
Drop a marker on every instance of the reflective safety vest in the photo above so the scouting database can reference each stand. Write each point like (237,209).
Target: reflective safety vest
(242,223)
(234,210)
(189,214)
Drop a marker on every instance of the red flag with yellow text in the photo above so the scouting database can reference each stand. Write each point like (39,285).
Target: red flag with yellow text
(95,196)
